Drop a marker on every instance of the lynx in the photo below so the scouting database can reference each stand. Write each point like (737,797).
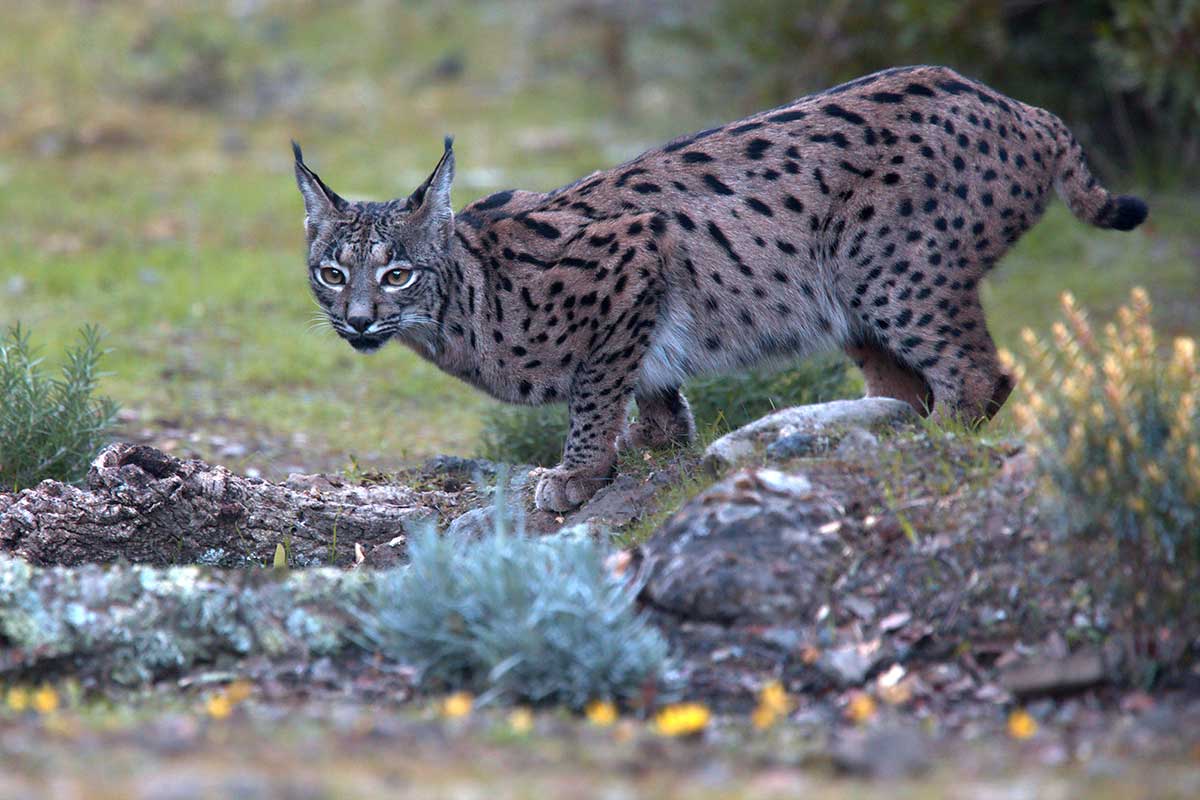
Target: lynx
(862,217)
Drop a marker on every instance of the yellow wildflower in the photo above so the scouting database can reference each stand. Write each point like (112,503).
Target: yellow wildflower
(601,713)
(520,720)
(763,717)
(218,706)
(457,705)
(775,697)
(861,708)
(682,719)
(239,690)
(45,700)
(17,699)
(773,703)
(1021,725)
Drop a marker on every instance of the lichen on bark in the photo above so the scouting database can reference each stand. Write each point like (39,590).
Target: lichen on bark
(134,624)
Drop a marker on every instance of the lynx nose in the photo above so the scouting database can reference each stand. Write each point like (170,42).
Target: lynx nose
(360,324)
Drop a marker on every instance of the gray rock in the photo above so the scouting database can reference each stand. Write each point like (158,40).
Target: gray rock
(457,465)
(480,522)
(857,443)
(1041,676)
(796,445)
(624,500)
(867,412)
(848,666)
(749,549)
(475,524)
(883,753)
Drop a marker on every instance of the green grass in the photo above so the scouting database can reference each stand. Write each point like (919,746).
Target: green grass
(189,255)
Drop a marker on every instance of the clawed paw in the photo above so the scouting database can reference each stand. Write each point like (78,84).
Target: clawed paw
(562,489)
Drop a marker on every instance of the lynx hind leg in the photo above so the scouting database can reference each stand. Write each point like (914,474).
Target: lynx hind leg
(886,376)
(953,353)
(664,419)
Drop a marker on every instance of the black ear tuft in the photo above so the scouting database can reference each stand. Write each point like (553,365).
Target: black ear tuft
(448,142)
(319,199)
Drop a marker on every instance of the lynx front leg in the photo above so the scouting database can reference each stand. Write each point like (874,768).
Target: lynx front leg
(597,405)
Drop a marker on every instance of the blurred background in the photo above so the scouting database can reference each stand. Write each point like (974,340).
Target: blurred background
(145,174)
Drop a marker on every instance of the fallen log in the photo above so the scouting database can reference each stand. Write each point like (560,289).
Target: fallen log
(142,505)
(132,625)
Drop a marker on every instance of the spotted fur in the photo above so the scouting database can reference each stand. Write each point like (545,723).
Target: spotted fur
(863,218)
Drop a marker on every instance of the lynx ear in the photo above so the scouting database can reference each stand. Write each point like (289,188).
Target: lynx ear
(319,200)
(430,203)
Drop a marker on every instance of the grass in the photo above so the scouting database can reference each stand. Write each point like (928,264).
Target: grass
(178,228)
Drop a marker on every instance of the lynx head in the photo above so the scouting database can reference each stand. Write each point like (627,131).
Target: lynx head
(379,270)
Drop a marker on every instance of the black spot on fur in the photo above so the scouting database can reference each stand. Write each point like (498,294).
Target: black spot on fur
(625,176)
(760,206)
(834,110)
(543,229)
(756,148)
(714,183)
(497,200)
(749,126)
(787,116)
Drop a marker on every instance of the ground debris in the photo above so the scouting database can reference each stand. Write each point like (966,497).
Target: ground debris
(142,505)
(1050,675)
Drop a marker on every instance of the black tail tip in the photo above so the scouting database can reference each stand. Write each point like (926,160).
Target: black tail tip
(1129,213)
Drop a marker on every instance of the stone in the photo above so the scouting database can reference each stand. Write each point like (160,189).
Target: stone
(481,522)
(857,443)
(867,412)
(1043,676)
(621,502)
(849,665)
(749,549)
(886,753)
(796,445)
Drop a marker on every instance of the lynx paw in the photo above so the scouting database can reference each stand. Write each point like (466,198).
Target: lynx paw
(652,434)
(562,489)
(662,424)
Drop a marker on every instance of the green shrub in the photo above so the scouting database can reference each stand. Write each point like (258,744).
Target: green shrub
(524,435)
(49,427)
(723,402)
(531,619)
(1114,428)
(519,434)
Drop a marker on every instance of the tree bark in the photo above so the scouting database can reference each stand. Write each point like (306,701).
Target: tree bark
(144,506)
(133,624)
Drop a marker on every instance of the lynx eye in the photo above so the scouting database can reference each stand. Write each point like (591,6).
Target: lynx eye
(397,278)
(332,276)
